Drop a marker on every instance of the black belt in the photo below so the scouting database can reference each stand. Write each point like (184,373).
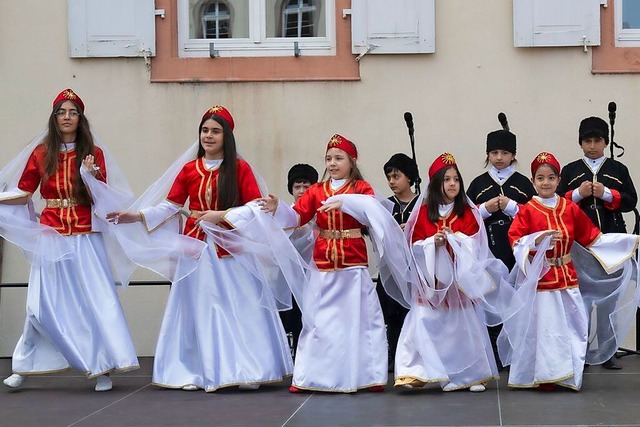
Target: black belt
(594,206)
(499,222)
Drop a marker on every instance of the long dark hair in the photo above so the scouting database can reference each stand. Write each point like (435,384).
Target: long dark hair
(84,146)
(435,195)
(227,186)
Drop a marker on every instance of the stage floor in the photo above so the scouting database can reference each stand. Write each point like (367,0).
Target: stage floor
(607,398)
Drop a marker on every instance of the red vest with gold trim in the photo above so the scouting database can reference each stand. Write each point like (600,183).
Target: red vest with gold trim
(200,185)
(66,220)
(570,221)
(334,253)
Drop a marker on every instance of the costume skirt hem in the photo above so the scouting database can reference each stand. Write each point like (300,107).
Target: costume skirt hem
(557,381)
(333,390)
(463,387)
(227,385)
(403,380)
(88,374)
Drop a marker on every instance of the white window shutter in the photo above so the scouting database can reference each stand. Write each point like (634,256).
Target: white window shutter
(111,28)
(398,26)
(556,23)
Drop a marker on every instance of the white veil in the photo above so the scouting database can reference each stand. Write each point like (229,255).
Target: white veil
(19,225)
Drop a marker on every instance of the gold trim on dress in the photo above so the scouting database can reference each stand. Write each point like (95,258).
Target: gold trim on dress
(17,196)
(352,233)
(61,203)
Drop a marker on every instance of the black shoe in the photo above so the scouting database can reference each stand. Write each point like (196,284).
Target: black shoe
(611,364)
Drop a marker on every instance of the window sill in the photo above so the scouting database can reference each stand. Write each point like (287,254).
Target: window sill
(167,66)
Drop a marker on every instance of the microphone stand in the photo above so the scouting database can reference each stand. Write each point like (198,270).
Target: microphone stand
(612,120)
(413,156)
(408,118)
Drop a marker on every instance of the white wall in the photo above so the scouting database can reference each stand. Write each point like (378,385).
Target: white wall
(454,95)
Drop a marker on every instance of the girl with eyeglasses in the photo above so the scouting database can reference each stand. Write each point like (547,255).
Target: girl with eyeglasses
(74,318)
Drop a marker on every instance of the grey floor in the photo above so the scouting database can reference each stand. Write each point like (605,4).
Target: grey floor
(608,398)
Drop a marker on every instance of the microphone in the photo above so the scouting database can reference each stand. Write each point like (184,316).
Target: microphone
(612,112)
(502,118)
(409,119)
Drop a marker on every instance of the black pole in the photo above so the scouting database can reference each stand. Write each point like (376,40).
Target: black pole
(408,118)
(612,120)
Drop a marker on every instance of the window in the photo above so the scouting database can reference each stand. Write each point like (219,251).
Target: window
(215,21)
(298,19)
(627,21)
(615,56)
(256,27)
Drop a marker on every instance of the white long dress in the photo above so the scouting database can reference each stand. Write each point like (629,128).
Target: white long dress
(220,326)
(74,317)
(342,346)
(215,332)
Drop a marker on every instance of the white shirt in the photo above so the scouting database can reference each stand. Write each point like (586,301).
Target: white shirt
(594,165)
(67,146)
(444,210)
(500,176)
(212,164)
(337,183)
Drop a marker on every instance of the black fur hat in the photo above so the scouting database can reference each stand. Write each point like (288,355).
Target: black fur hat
(300,172)
(593,126)
(501,140)
(404,164)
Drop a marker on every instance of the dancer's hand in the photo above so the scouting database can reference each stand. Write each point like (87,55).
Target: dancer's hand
(268,204)
(124,217)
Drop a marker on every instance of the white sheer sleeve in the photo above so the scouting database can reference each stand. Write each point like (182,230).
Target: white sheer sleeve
(155,216)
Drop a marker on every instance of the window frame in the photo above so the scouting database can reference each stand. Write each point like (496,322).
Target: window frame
(168,67)
(284,15)
(609,58)
(624,37)
(218,19)
(257,44)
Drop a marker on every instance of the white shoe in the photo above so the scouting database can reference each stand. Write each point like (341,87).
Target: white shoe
(190,387)
(103,383)
(249,386)
(478,388)
(451,387)
(14,380)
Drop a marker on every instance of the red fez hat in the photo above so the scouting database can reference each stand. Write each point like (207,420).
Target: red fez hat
(544,158)
(219,111)
(69,95)
(442,161)
(339,141)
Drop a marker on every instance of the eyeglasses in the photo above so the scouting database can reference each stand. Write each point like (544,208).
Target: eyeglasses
(72,113)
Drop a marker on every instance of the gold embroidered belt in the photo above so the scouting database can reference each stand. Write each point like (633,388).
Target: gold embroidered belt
(560,261)
(61,203)
(196,214)
(352,233)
